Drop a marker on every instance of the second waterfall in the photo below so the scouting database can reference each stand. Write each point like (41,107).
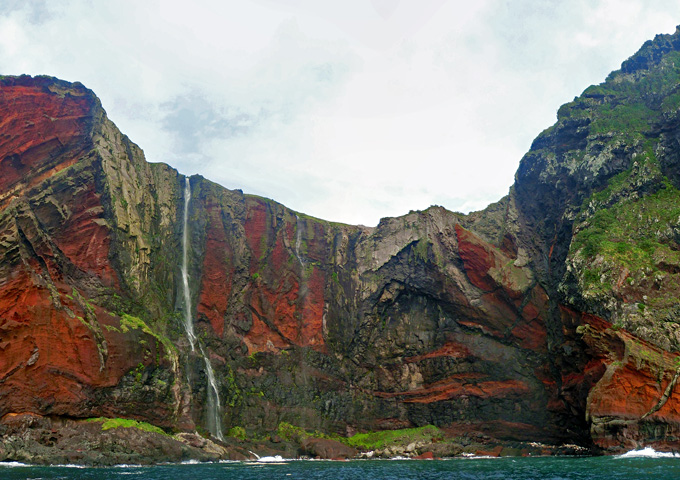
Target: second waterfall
(214,407)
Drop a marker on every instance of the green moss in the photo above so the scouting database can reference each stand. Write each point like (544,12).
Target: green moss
(385,438)
(109,423)
(237,432)
(234,394)
(628,120)
(421,249)
(622,230)
(264,244)
(139,372)
(256,393)
(129,322)
(370,440)
(593,281)
(288,431)
(627,107)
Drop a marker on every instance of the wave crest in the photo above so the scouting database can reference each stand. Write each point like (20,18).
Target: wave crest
(648,452)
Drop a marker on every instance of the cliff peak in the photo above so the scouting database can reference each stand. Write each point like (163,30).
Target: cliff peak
(651,52)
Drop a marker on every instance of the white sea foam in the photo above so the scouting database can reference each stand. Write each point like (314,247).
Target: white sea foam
(473,456)
(275,458)
(13,464)
(648,452)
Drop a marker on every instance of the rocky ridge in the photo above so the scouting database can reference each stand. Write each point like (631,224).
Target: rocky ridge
(547,317)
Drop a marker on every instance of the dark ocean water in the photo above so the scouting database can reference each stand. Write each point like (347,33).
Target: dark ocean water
(652,467)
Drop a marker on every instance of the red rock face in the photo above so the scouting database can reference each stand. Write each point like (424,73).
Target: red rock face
(636,389)
(312,310)
(450,349)
(85,239)
(256,228)
(464,385)
(42,133)
(53,351)
(286,295)
(57,348)
(512,305)
(217,271)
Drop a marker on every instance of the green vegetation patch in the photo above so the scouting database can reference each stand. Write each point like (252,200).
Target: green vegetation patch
(631,119)
(128,322)
(234,394)
(109,423)
(237,432)
(628,106)
(294,433)
(385,438)
(420,250)
(628,231)
(369,440)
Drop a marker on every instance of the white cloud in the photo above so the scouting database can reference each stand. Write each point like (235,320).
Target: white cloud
(349,111)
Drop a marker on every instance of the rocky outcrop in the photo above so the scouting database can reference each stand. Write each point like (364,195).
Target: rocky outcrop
(327,449)
(549,316)
(34,439)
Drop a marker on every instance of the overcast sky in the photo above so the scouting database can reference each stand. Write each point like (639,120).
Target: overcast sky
(346,110)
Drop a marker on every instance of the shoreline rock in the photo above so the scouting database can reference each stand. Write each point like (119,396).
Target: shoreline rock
(35,439)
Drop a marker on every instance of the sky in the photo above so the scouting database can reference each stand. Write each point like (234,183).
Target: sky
(348,111)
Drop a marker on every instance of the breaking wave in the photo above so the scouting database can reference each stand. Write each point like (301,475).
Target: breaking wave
(648,452)
(13,464)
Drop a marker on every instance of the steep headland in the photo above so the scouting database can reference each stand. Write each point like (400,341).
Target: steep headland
(128,291)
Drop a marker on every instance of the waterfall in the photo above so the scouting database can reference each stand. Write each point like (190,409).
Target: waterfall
(188,324)
(214,407)
(298,240)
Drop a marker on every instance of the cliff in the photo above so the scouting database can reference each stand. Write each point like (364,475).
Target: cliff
(548,317)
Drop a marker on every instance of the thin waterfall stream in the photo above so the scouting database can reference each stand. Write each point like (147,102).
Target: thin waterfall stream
(298,239)
(214,407)
(188,324)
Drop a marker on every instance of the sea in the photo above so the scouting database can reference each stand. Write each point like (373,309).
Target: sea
(641,464)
